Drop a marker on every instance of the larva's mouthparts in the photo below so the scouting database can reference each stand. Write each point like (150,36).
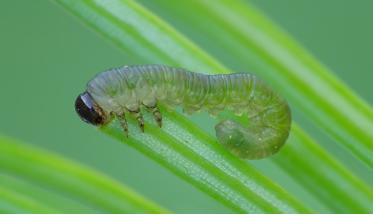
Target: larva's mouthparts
(124,90)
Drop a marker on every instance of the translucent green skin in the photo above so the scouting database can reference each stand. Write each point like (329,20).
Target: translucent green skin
(127,88)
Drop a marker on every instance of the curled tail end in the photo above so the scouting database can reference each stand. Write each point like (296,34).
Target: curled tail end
(265,135)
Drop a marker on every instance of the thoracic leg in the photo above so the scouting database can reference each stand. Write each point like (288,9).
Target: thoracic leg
(156,114)
(123,122)
(140,120)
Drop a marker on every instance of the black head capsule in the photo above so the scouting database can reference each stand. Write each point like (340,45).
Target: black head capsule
(89,111)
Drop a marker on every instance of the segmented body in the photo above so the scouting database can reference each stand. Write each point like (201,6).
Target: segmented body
(125,89)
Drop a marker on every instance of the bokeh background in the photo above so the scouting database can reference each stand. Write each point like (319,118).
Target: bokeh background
(47,56)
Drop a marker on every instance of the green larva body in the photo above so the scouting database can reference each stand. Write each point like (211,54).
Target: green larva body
(126,88)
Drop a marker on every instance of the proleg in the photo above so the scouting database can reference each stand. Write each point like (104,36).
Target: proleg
(121,92)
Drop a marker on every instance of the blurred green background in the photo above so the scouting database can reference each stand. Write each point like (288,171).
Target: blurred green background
(47,56)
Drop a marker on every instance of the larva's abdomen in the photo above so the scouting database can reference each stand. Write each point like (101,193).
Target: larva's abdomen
(125,89)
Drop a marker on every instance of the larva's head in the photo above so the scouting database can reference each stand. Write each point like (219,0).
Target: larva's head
(89,111)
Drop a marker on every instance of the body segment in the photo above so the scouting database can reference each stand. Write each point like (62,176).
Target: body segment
(123,90)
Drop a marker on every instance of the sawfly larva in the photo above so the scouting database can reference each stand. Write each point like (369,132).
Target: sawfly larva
(120,91)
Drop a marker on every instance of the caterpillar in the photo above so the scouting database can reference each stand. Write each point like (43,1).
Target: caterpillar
(121,91)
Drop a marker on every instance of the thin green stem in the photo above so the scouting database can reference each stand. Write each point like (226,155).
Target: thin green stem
(75,181)
(13,202)
(53,199)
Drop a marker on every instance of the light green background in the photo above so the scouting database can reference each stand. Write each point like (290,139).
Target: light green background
(47,56)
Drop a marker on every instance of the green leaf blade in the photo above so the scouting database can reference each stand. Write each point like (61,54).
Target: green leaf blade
(68,178)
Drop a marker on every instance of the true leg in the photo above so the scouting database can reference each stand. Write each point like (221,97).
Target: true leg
(156,114)
(140,120)
(123,122)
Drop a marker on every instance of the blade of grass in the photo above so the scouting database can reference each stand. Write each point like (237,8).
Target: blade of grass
(252,40)
(127,21)
(67,178)
(44,196)
(12,202)
(322,176)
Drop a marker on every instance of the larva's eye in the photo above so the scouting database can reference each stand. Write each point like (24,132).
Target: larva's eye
(88,110)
